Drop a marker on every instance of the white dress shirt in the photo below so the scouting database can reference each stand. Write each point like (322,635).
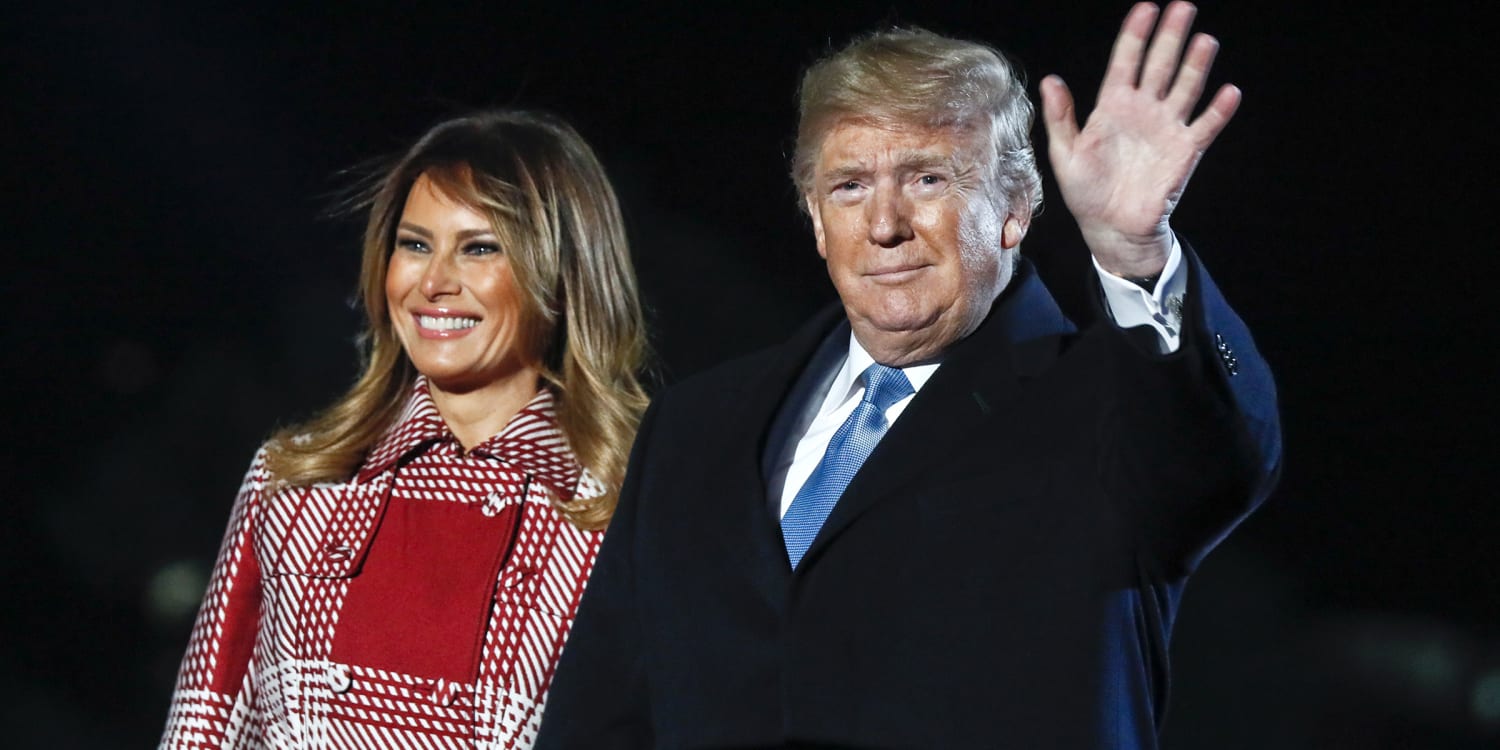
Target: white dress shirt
(1129,304)
(1161,308)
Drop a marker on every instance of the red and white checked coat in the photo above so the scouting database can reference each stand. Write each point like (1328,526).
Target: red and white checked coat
(261,668)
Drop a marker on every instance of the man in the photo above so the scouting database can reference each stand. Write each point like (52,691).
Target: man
(939,517)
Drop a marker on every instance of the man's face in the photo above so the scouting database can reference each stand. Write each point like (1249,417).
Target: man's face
(915,241)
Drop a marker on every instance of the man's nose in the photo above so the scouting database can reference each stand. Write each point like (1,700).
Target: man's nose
(888,220)
(440,277)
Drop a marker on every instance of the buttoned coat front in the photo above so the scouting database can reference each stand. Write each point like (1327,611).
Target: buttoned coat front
(259,670)
(1002,572)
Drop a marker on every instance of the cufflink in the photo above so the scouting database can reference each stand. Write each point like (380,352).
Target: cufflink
(1226,355)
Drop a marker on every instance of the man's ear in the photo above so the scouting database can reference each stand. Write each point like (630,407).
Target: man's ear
(1015,228)
(814,213)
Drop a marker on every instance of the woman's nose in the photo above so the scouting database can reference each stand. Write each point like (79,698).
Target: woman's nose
(440,278)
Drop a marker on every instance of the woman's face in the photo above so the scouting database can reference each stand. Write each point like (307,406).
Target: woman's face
(452,297)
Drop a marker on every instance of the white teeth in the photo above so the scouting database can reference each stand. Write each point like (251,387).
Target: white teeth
(445,323)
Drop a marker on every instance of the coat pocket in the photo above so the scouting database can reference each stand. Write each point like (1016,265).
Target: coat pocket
(322,530)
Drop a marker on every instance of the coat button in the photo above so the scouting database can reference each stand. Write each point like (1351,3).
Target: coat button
(492,505)
(443,693)
(1226,355)
(513,578)
(339,680)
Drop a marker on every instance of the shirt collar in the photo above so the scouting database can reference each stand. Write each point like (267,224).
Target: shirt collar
(846,383)
(531,442)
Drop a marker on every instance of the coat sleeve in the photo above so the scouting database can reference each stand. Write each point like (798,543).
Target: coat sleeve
(212,683)
(598,699)
(1191,441)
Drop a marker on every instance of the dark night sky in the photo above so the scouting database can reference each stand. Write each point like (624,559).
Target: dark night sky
(181,290)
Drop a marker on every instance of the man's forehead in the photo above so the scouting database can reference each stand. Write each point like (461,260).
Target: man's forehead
(864,144)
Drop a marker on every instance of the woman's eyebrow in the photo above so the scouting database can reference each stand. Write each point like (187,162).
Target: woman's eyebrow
(418,230)
(469,234)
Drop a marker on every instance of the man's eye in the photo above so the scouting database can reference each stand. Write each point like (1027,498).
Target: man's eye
(930,179)
(850,185)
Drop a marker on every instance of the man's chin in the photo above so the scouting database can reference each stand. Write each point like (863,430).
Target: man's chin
(903,341)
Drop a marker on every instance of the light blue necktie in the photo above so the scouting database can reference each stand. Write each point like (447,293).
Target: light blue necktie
(847,451)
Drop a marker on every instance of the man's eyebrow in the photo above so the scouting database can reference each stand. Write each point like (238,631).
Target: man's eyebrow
(911,160)
(906,161)
(845,172)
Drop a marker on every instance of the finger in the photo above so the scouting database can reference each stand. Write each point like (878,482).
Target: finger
(1218,113)
(1190,80)
(1166,48)
(1125,59)
(1059,117)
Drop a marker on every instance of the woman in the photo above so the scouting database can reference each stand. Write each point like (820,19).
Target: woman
(403,570)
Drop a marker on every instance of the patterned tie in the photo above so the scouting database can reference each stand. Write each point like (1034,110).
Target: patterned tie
(847,451)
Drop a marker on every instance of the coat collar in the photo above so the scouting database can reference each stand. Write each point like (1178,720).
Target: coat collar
(531,443)
(979,374)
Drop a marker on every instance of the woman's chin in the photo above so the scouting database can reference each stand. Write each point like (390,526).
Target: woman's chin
(464,380)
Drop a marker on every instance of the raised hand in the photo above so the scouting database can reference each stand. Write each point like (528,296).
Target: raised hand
(1123,173)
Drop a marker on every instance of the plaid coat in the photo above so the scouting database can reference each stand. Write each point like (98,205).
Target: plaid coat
(261,668)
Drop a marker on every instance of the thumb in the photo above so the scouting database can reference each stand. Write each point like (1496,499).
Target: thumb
(1058,116)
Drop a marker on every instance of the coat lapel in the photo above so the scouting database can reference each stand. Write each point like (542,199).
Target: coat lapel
(756,413)
(979,374)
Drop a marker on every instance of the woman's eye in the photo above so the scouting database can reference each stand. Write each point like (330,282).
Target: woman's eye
(407,243)
(481,249)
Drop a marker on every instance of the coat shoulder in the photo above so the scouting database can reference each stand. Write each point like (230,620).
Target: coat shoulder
(749,376)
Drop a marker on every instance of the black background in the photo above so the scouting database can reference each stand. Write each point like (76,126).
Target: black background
(176,289)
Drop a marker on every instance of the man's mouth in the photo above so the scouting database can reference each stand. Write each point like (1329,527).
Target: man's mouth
(895,274)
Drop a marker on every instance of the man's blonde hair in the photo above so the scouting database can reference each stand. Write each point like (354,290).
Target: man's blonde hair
(915,78)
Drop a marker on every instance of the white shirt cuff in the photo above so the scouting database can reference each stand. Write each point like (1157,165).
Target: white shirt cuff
(1161,308)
